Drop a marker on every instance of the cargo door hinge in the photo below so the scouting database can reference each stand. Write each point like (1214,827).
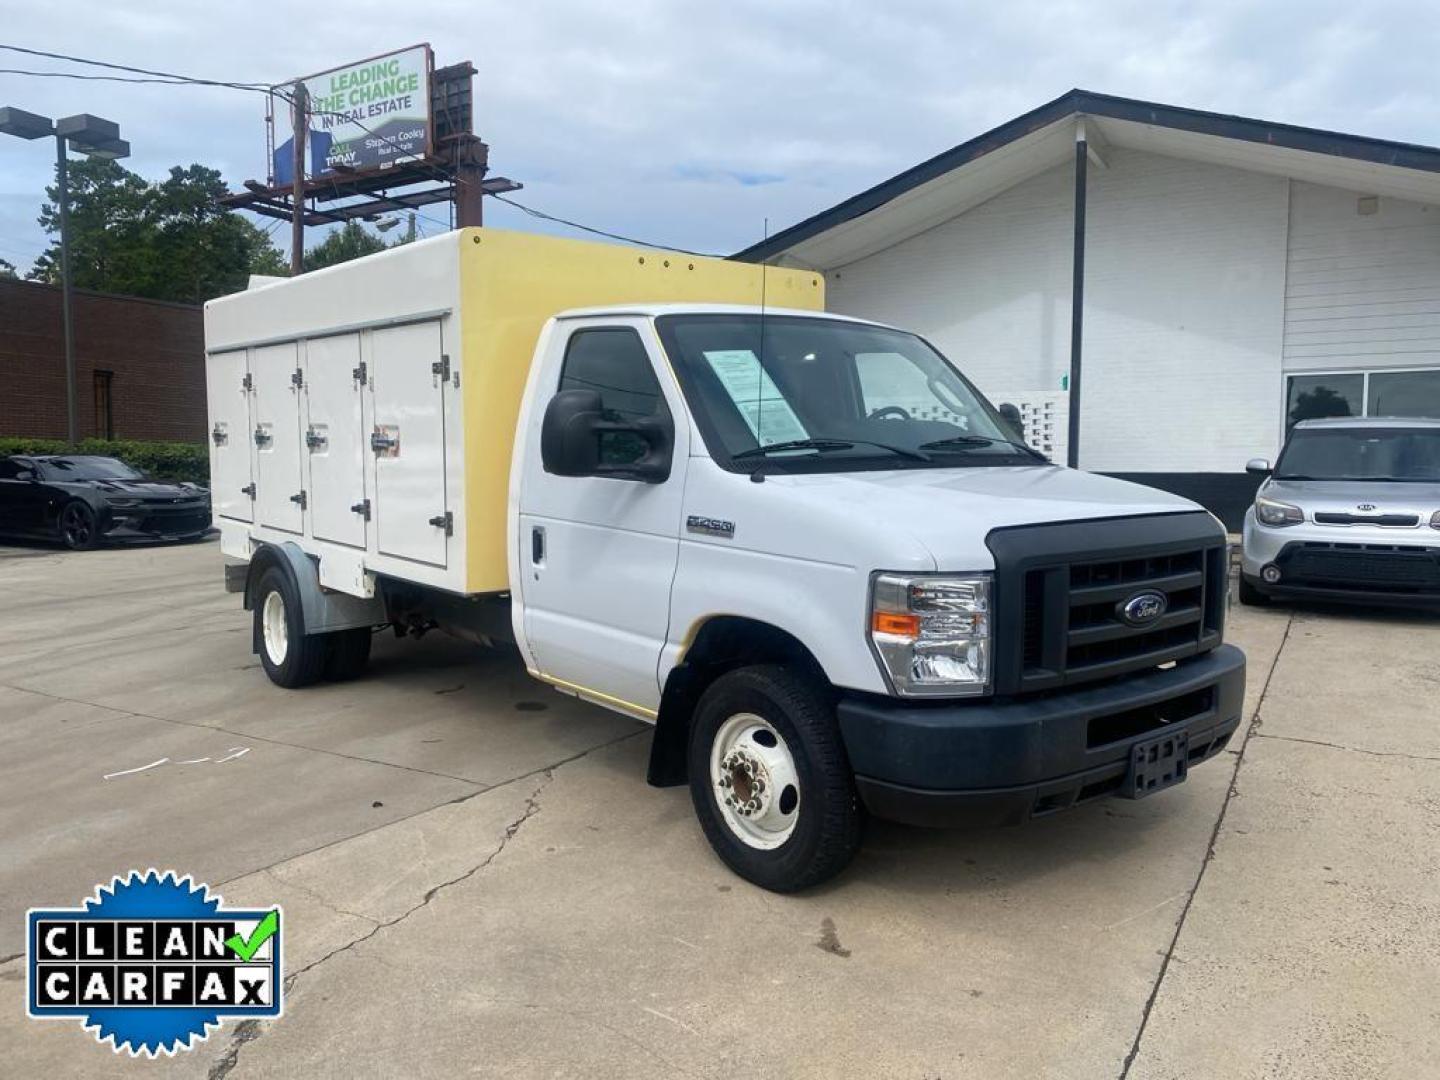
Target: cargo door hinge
(362,508)
(298,499)
(444,521)
(441,370)
(298,379)
(360,374)
(247,383)
(248,489)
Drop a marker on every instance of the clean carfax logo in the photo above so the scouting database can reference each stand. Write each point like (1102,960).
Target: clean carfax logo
(150,963)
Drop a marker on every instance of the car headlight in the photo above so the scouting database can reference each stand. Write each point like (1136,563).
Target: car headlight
(931,632)
(1271,512)
(1435,520)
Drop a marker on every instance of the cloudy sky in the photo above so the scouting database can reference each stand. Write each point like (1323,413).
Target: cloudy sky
(690,123)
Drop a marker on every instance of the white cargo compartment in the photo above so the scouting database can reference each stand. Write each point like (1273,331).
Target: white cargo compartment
(335,440)
(279,497)
(231,437)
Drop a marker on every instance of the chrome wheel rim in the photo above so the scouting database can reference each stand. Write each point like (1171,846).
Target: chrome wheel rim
(273,628)
(754,781)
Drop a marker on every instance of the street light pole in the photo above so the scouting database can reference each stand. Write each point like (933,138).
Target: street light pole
(96,138)
(62,183)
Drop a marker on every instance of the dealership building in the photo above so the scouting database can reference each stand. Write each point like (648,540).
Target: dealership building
(1162,291)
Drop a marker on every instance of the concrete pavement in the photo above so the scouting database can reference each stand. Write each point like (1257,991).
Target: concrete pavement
(477,881)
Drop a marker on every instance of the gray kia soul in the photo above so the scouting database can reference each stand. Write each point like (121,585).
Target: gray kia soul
(1351,511)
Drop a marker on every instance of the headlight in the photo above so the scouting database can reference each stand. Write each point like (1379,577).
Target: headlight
(1435,520)
(1271,512)
(931,633)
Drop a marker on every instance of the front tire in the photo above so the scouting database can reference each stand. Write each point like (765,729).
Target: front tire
(1250,596)
(770,781)
(79,530)
(291,657)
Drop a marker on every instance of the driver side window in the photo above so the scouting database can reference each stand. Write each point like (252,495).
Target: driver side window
(891,381)
(612,360)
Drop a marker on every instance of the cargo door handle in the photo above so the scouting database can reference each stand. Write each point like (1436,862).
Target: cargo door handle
(262,437)
(537,545)
(362,508)
(219,436)
(380,442)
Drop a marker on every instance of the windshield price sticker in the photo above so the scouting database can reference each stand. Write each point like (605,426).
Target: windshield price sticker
(762,406)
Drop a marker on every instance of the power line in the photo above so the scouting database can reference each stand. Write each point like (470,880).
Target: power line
(170,75)
(94,78)
(599,232)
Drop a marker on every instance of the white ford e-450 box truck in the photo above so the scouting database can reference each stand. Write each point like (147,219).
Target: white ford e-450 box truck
(804,546)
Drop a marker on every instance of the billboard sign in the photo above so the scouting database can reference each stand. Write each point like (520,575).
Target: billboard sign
(368,116)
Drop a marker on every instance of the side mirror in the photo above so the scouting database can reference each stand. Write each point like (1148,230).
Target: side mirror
(578,439)
(25,474)
(1258,466)
(1011,415)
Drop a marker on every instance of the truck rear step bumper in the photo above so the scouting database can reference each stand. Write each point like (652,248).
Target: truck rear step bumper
(1002,762)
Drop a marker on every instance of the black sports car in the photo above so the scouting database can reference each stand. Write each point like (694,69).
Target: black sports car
(83,501)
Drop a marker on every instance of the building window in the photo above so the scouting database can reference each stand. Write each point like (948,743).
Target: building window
(1413,393)
(104,409)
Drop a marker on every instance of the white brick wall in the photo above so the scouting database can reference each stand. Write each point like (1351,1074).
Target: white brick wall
(1363,289)
(1184,305)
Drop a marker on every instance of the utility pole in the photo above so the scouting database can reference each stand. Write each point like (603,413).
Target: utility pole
(62,184)
(297,190)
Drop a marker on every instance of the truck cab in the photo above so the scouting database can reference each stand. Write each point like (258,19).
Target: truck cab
(814,556)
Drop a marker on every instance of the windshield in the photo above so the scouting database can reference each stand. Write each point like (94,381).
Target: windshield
(804,394)
(1361,454)
(86,468)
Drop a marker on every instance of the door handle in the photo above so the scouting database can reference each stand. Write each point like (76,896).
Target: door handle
(537,545)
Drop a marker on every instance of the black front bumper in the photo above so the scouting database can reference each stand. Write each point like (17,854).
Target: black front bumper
(151,524)
(1004,761)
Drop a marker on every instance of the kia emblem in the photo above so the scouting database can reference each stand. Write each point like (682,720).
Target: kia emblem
(1365,508)
(1143,608)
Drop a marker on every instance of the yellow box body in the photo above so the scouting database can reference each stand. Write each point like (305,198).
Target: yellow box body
(510,284)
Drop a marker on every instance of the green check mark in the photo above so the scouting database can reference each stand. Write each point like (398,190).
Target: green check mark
(246,948)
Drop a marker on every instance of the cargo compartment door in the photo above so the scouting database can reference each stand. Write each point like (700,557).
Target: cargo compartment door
(279,496)
(232,491)
(407,439)
(334,439)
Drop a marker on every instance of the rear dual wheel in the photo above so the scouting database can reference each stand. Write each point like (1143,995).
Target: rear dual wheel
(293,658)
(770,781)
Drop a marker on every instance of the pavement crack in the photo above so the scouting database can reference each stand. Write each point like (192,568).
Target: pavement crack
(245,1031)
(313,895)
(1250,732)
(13,956)
(1349,749)
(532,807)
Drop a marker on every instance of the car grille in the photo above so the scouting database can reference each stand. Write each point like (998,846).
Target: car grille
(1396,568)
(1388,521)
(1058,618)
(174,520)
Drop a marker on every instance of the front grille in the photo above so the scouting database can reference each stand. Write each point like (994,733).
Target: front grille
(1388,521)
(1061,590)
(1399,568)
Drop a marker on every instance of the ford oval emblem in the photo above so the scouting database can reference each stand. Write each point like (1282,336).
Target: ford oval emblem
(1143,608)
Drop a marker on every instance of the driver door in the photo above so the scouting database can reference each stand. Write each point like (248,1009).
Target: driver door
(598,553)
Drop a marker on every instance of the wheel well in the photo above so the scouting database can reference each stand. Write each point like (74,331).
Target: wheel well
(723,643)
(263,559)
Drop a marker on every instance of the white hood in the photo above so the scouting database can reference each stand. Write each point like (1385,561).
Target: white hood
(950,511)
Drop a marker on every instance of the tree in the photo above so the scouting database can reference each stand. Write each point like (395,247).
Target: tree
(167,241)
(7,269)
(1317,404)
(350,241)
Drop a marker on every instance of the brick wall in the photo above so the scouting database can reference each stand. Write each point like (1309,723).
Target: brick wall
(155,350)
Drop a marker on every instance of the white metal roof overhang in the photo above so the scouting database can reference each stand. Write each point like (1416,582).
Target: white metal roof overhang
(974,172)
